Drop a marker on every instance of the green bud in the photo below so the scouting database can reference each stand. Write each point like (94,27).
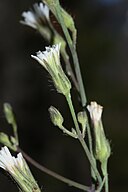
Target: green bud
(81,116)
(56,117)
(8,113)
(82,119)
(4,139)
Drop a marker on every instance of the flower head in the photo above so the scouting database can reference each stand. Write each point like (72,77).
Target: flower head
(50,60)
(33,18)
(95,111)
(18,169)
(102,146)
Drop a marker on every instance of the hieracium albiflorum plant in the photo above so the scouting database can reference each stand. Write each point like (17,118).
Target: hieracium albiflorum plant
(88,128)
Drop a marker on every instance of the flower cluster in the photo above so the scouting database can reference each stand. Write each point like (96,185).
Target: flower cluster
(50,60)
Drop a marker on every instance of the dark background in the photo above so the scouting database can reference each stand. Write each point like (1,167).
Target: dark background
(103,51)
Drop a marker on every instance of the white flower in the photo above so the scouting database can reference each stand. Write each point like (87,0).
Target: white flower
(8,162)
(50,57)
(95,111)
(50,60)
(33,18)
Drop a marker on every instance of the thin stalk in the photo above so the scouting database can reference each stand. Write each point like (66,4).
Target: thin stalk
(101,186)
(91,160)
(74,54)
(106,184)
(70,71)
(106,181)
(53,174)
(14,126)
(90,148)
(69,133)
(105,173)
(78,73)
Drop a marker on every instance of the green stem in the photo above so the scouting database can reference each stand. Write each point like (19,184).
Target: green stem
(91,160)
(77,71)
(91,149)
(68,132)
(101,186)
(14,125)
(105,174)
(106,184)
(74,54)
(69,70)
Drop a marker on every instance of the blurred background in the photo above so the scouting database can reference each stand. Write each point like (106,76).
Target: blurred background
(103,53)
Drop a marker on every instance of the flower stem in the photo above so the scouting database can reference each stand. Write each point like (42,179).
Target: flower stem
(54,174)
(74,54)
(78,73)
(105,173)
(91,160)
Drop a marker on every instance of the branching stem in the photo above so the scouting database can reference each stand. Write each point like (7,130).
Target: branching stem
(80,137)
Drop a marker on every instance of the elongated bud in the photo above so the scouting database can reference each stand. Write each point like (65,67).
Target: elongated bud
(4,139)
(82,117)
(56,117)
(102,146)
(8,113)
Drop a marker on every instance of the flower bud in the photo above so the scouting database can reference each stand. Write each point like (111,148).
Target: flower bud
(102,146)
(9,113)
(56,117)
(81,116)
(82,119)
(4,139)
